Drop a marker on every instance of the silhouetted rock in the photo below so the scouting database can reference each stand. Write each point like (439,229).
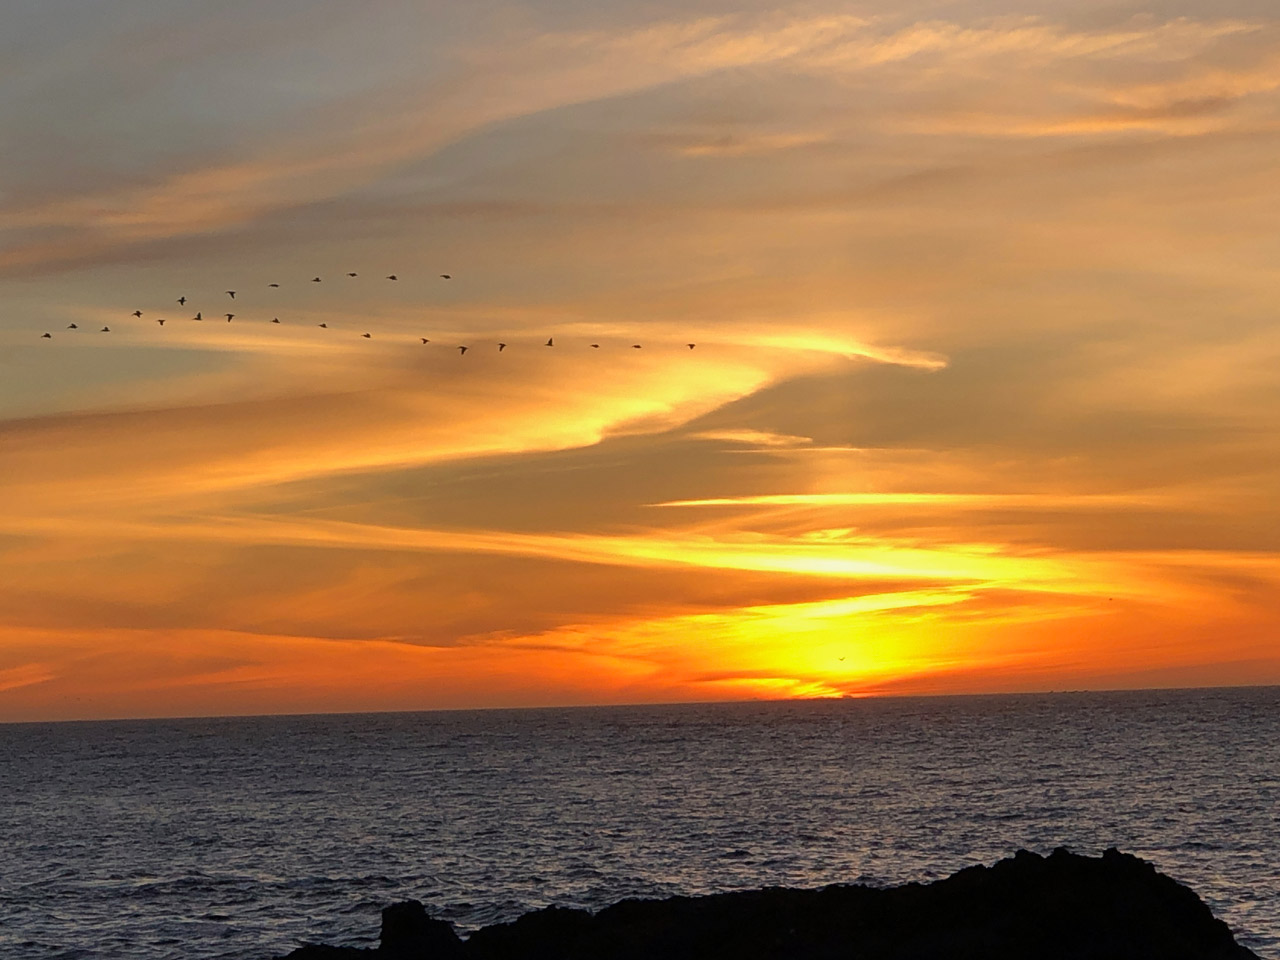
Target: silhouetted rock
(1060,907)
(408,932)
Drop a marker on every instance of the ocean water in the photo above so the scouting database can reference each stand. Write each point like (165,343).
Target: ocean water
(241,838)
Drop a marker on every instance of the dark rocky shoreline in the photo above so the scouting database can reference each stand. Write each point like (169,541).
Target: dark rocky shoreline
(1060,907)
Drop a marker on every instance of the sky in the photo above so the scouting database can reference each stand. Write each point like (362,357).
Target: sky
(984,395)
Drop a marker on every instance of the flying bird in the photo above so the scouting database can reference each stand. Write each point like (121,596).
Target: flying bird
(462,350)
(182,301)
(72,326)
(275,319)
(392,277)
(501,347)
(105,330)
(446,276)
(690,345)
(230,316)
(424,339)
(198,316)
(137,313)
(46,336)
(273,284)
(325,325)
(160,320)
(315,279)
(596,345)
(350,274)
(635,346)
(231,294)
(367,336)
(549,343)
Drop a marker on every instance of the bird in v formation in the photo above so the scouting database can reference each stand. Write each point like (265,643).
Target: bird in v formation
(182,300)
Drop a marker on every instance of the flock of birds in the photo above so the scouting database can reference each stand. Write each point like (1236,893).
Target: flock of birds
(182,301)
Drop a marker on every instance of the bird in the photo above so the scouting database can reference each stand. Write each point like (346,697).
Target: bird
(182,301)
(462,350)
(690,345)
(160,320)
(325,325)
(424,339)
(501,347)
(549,342)
(231,294)
(596,345)
(350,274)
(137,313)
(46,336)
(230,316)
(635,346)
(367,336)
(275,319)
(273,284)
(391,277)
(315,279)
(198,316)
(105,330)
(72,326)
(446,276)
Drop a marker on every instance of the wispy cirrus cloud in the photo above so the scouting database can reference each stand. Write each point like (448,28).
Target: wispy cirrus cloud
(482,83)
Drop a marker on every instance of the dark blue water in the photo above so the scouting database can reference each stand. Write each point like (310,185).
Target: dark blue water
(239,838)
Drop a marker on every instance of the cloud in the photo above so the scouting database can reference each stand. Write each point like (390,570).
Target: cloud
(345,143)
(1033,501)
(25,675)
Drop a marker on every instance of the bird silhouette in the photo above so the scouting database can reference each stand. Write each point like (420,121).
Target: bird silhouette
(446,276)
(462,350)
(501,347)
(182,301)
(198,316)
(72,326)
(424,339)
(350,274)
(230,317)
(137,313)
(392,277)
(231,294)
(596,345)
(325,325)
(315,279)
(275,319)
(549,342)
(273,284)
(690,345)
(105,330)
(367,336)
(46,336)
(160,320)
(635,346)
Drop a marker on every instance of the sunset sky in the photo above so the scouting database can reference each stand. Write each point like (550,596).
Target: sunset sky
(985,397)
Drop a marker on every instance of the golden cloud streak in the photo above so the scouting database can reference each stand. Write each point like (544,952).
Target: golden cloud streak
(841,555)
(1021,501)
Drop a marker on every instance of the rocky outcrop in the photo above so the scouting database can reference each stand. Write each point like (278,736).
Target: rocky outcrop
(1060,907)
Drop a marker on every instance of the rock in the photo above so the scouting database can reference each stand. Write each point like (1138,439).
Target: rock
(1060,907)
(408,933)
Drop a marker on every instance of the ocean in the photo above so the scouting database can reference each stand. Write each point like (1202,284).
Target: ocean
(241,838)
